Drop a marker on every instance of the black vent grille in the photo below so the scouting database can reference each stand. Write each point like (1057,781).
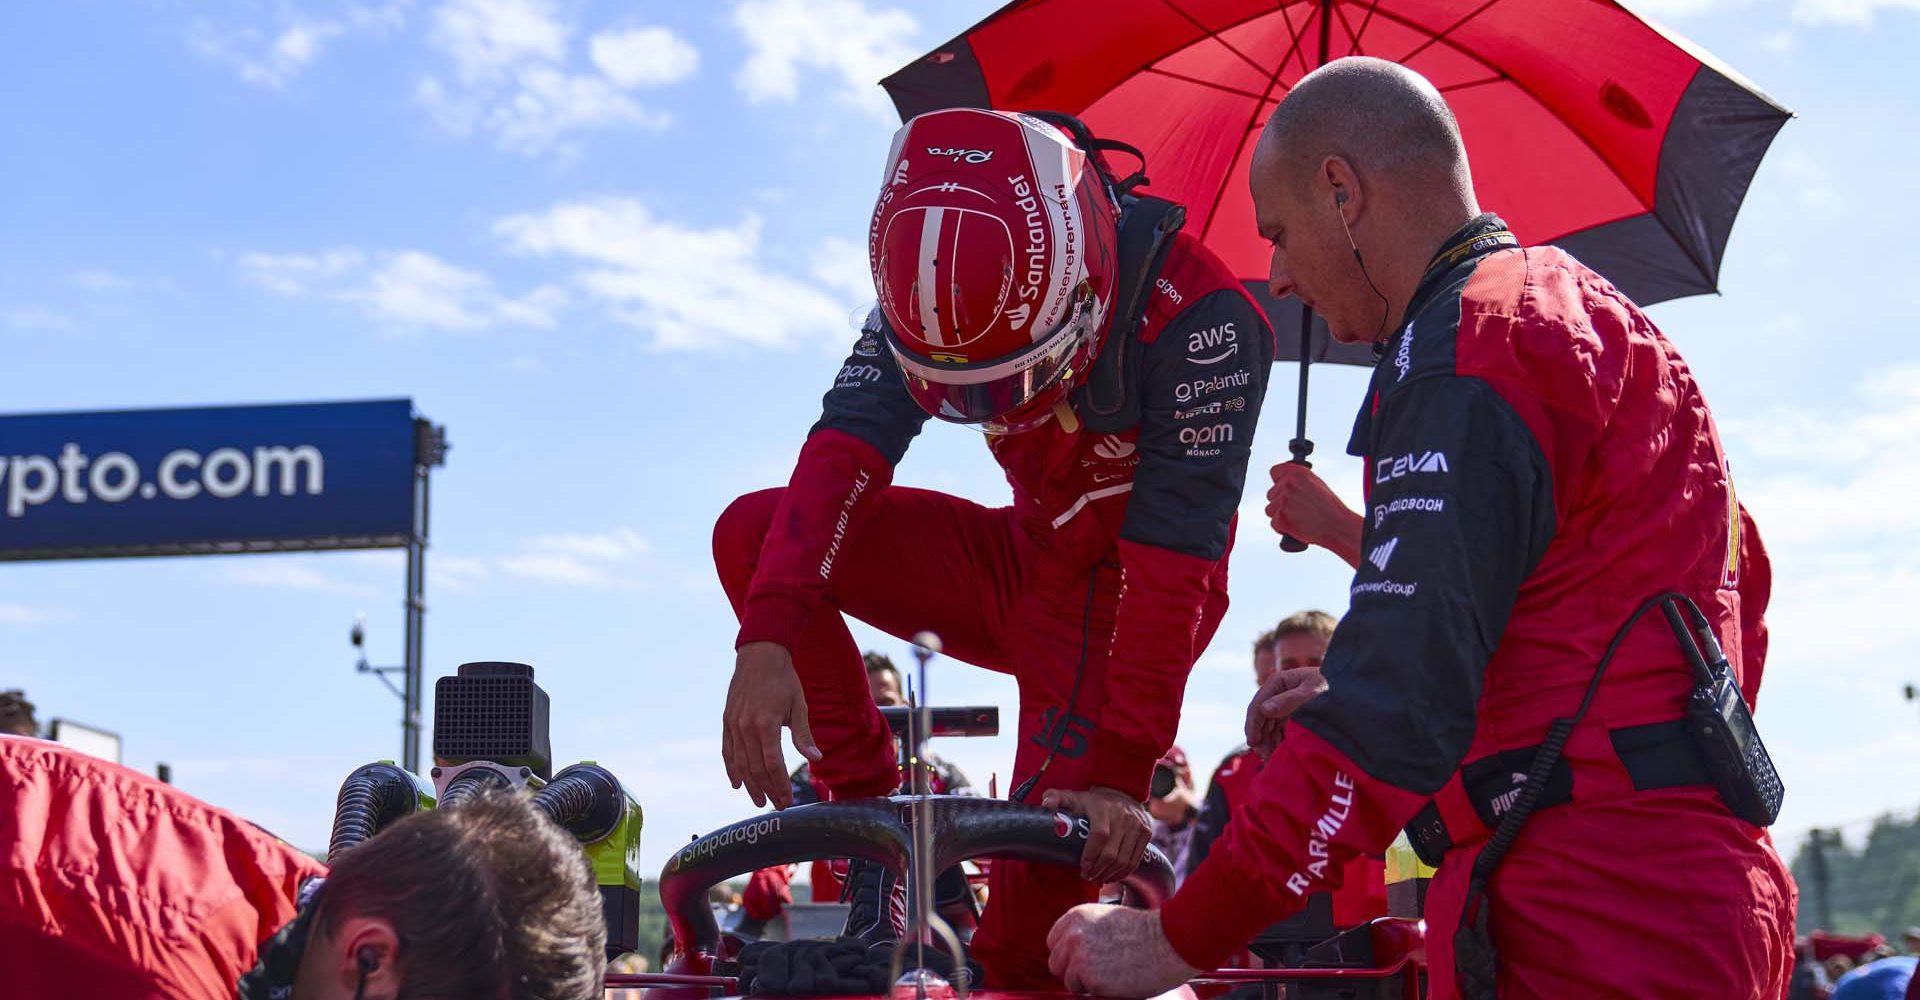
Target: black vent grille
(491,717)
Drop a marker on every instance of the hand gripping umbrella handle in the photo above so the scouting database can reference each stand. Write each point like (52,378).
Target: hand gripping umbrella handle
(1301,448)
(1300,445)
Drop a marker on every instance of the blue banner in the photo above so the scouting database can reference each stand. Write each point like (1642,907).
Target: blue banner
(219,479)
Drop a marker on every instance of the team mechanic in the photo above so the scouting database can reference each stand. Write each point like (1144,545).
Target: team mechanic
(1117,369)
(1539,462)
(114,885)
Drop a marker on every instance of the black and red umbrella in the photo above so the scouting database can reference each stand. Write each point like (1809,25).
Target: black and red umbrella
(1587,126)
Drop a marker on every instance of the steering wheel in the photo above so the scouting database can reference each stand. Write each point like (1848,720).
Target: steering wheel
(876,830)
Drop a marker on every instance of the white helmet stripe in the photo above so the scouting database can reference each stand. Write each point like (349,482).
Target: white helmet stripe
(929,280)
(1054,174)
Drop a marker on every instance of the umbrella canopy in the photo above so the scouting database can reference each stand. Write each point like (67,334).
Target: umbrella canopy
(1587,127)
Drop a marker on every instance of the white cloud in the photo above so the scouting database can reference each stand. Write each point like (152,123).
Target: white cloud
(488,39)
(294,274)
(1676,8)
(1854,13)
(406,289)
(36,319)
(104,281)
(414,289)
(690,288)
(1830,491)
(512,76)
(643,56)
(1850,13)
(271,57)
(456,573)
(841,38)
(841,265)
(605,560)
(262,60)
(460,574)
(27,614)
(291,573)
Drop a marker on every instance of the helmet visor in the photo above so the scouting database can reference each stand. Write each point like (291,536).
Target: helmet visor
(983,391)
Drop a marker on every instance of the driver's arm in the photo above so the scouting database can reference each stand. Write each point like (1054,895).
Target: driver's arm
(866,423)
(1203,378)
(1404,669)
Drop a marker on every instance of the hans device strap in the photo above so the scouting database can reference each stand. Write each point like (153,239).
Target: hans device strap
(1107,400)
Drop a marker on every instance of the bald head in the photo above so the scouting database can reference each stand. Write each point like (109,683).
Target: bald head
(1387,121)
(1358,179)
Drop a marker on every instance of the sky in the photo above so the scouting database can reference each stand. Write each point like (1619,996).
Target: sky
(615,248)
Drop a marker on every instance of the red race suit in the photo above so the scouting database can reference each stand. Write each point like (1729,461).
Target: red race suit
(115,885)
(1539,461)
(1097,588)
(1362,894)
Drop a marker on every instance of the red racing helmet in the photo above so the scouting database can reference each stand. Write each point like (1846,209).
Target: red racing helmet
(992,247)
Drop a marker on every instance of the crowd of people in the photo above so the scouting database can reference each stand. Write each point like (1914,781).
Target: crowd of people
(1855,967)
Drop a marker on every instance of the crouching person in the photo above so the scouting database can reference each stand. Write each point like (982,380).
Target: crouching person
(115,885)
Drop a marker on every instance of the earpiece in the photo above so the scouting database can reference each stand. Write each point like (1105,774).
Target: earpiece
(368,960)
(1339,197)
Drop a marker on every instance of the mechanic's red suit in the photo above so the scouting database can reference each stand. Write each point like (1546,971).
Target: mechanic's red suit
(1362,893)
(115,885)
(1113,554)
(1539,461)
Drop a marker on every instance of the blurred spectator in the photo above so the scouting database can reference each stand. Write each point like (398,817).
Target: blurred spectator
(1838,966)
(1886,979)
(16,714)
(1263,666)
(1912,940)
(1300,640)
(1809,980)
(1173,806)
(883,680)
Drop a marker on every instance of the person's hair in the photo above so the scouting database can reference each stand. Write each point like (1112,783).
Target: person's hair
(879,663)
(490,898)
(16,714)
(1314,623)
(1382,117)
(1264,641)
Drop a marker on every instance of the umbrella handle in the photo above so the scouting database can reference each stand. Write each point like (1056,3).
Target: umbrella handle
(1301,448)
(1300,445)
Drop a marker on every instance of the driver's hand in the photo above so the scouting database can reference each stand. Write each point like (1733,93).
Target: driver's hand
(1118,829)
(764,696)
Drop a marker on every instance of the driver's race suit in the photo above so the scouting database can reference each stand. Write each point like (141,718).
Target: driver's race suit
(115,885)
(1539,460)
(1096,589)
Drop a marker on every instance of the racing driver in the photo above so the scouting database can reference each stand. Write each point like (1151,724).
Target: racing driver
(1539,463)
(1117,369)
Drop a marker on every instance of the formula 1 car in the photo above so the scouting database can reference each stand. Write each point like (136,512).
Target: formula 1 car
(921,835)
(1383,959)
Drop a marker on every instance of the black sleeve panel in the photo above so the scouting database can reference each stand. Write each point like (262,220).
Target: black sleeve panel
(869,397)
(1461,512)
(1202,383)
